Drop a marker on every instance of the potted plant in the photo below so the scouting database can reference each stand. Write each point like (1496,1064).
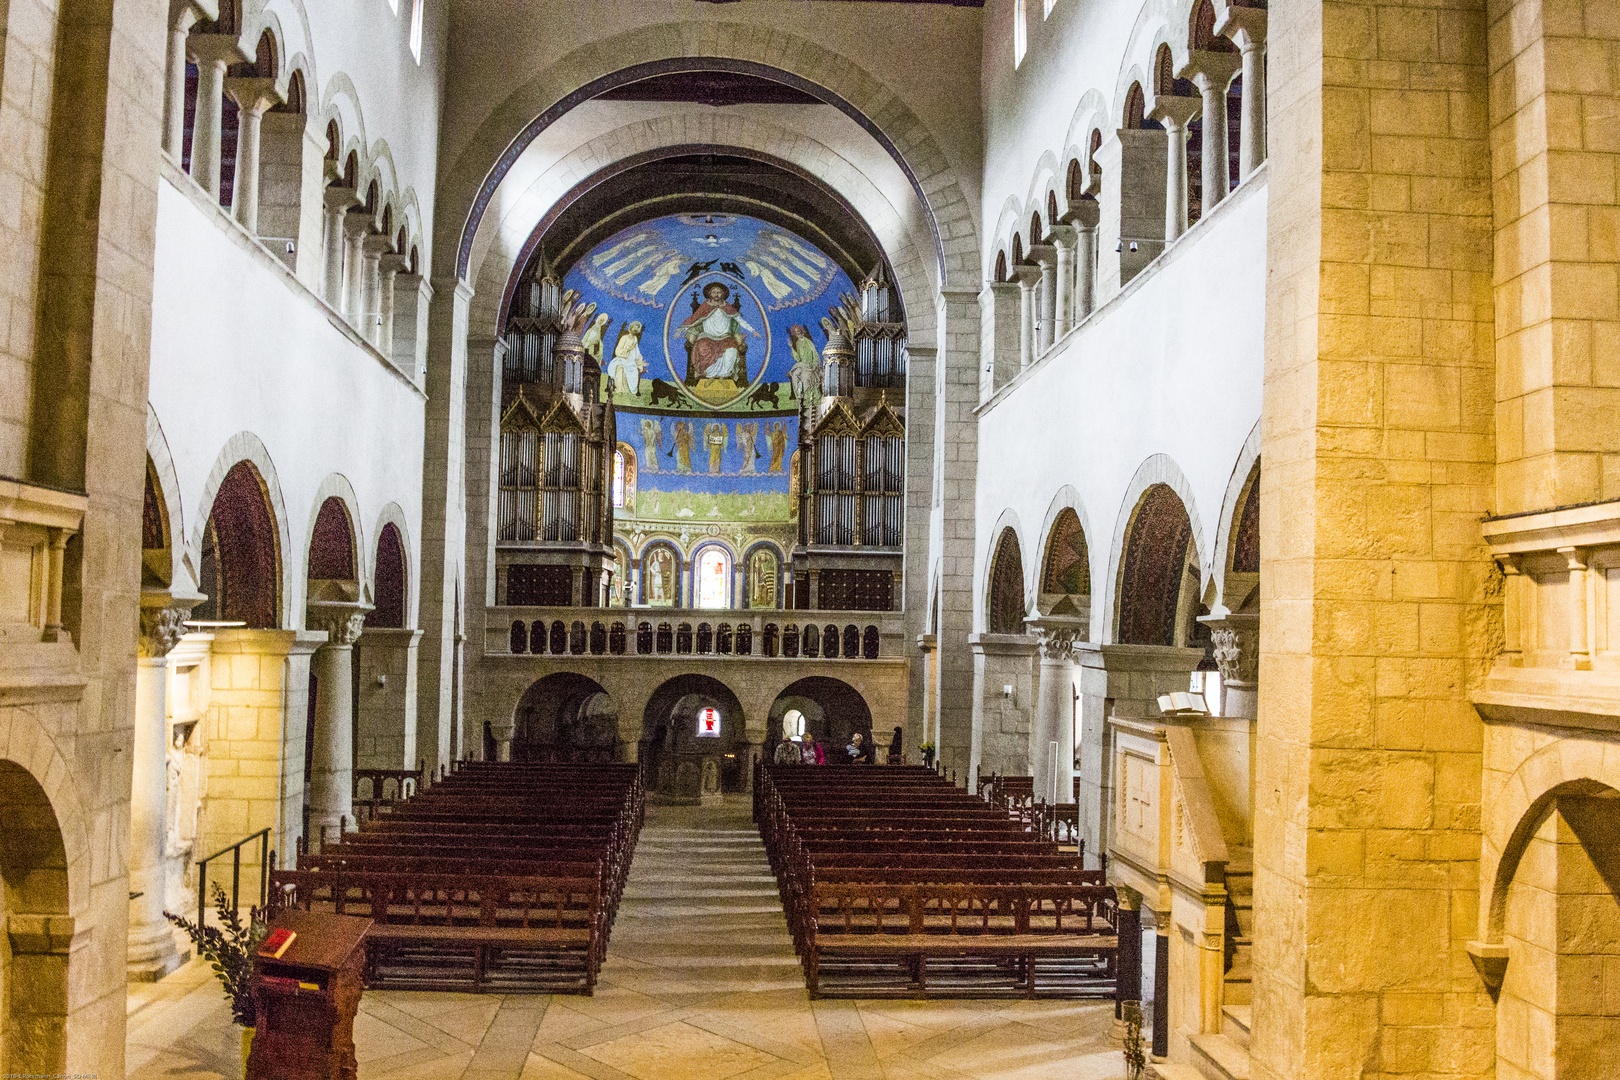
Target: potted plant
(1135,1051)
(927,749)
(229,950)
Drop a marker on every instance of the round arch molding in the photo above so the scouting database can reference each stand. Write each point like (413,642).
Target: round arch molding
(715,47)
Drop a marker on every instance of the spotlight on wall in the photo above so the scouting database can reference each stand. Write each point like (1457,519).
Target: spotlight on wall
(1133,245)
(1119,245)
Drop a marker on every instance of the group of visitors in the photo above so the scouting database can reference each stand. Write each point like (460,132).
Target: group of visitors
(807,750)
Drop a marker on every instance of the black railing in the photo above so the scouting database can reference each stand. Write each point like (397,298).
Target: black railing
(235,852)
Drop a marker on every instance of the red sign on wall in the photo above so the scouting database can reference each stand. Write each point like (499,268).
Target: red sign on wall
(708,724)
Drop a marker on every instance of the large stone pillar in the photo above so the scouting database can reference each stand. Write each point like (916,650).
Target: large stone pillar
(1054,707)
(385,707)
(1174,113)
(151,952)
(1370,751)
(253,96)
(336,201)
(292,173)
(1212,73)
(331,783)
(183,15)
(1003,701)
(214,53)
(413,298)
(1132,201)
(1246,27)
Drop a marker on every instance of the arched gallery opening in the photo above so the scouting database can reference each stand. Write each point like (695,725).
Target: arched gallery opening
(694,743)
(33,957)
(241,565)
(566,717)
(1158,582)
(829,710)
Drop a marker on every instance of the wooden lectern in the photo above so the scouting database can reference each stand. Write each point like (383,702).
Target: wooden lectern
(306,999)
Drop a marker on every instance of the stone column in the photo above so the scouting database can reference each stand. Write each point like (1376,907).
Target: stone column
(253,96)
(1580,653)
(1063,237)
(151,952)
(928,645)
(1028,278)
(1086,214)
(331,787)
(1237,650)
(292,175)
(1054,707)
(214,53)
(1212,73)
(1174,113)
(1001,721)
(389,270)
(412,301)
(372,250)
(337,201)
(1246,27)
(183,14)
(1131,206)
(1045,256)
(356,228)
(1000,324)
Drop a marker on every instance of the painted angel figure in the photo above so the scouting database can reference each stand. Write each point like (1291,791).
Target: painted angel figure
(591,342)
(715,334)
(777,438)
(652,442)
(683,446)
(627,365)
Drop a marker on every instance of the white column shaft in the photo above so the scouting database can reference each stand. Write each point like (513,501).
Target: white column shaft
(354,273)
(1048,321)
(1216,171)
(205,130)
(150,945)
(1065,291)
(1252,125)
(332,290)
(331,793)
(370,297)
(1054,723)
(245,194)
(1026,324)
(1085,273)
(1175,181)
(174,102)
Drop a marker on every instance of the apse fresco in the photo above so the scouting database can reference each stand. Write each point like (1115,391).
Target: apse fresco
(709,331)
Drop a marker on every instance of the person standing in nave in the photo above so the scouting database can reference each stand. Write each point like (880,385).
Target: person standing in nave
(788,752)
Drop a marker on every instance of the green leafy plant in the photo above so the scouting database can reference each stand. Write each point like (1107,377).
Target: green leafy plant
(229,950)
(926,747)
(1135,1053)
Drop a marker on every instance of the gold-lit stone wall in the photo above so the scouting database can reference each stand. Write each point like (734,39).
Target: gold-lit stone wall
(1378,450)
(1555,164)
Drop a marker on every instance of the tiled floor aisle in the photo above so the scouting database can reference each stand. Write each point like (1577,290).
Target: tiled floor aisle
(700,983)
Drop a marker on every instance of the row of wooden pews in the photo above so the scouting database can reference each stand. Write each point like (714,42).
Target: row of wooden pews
(897,883)
(501,876)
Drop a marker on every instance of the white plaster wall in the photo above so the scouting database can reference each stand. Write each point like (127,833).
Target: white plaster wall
(1032,111)
(1171,366)
(238,346)
(359,53)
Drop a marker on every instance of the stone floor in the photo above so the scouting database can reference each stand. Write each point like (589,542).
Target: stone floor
(700,983)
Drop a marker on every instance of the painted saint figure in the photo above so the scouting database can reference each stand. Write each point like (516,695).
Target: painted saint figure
(652,442)
(805,374)
(627,365)
(747,445)
(591,342)
(683,446)
(716,438)
(714,336)
(776,435)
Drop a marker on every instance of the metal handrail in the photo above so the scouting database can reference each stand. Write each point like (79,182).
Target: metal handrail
(235,850)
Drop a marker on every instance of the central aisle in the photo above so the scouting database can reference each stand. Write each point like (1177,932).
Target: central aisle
(700,983)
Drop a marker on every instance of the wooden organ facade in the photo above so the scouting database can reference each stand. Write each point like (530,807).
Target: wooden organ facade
(554,539)
(852,462)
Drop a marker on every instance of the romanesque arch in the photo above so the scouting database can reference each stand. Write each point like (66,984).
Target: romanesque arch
(1066,561)
(240,564)
(1154,591)
(832,709)
(679,762)
(1004,607)
(566,717)
(34,909)
(389,578)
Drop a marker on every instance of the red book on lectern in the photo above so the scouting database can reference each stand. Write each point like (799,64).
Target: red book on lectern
(276,943)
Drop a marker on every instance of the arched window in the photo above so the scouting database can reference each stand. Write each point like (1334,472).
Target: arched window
(416,30)
(1135,102)
(388,589)
(618,479)
(713,571)
(1001,266)
(792,724)
(1020,33)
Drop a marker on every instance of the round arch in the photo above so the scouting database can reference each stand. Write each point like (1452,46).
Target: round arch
(1238,529)
(636,54)
(181,573)
(716,594)
(240,565)
(833,711)
(247,447)
(566,717)
(1152,594)
(762,575)
(1157,469)
(661,573)
(678,763)
(332,551)
(1004,603)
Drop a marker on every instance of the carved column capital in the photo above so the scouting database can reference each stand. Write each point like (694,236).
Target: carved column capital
(1236,641)
(1056,635)
(343,621)
(161,630)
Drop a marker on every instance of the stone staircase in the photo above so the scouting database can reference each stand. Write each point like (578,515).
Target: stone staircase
(1225,1056)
